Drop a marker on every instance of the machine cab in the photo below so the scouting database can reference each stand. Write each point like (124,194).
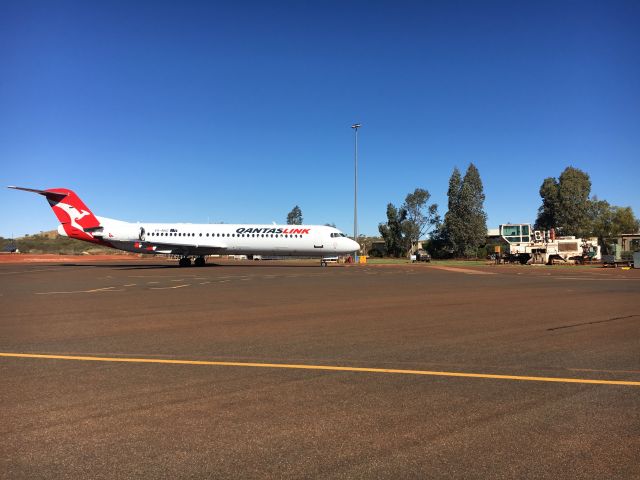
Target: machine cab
(516,233)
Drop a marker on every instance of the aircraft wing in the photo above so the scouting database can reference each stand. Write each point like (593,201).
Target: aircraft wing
(170,248)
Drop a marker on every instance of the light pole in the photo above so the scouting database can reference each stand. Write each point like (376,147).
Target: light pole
(355,127)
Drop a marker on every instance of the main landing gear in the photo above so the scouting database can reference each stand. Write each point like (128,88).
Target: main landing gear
(186,262)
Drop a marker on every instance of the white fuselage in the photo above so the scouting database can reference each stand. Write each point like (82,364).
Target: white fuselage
(210,239)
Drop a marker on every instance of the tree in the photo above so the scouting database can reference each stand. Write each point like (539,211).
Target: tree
(550,205)
(294,217)
(465,223)
(565,203)
(407,224)
(392,230)
(452,231)
(573,198)
(472,205)
(420,217)
(609,221)
(624,221)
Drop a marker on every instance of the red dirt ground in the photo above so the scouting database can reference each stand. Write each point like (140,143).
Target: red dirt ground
(33,258)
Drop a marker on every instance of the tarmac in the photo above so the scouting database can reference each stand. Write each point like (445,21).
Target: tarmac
(141,369)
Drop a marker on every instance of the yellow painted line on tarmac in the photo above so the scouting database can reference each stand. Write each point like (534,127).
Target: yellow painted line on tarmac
(329,368)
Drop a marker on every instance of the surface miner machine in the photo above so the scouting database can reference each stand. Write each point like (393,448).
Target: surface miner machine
(543,247)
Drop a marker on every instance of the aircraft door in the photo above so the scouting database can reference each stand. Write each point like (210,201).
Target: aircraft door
(141,235)
(318,241)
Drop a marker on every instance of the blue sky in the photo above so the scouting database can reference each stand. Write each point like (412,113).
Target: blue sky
(235,112)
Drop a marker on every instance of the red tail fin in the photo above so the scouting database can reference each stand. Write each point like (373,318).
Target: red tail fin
(72,213)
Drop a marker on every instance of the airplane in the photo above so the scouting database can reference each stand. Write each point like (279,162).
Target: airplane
(193,240)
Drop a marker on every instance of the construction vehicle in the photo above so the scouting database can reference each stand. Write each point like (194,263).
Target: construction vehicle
(528,246)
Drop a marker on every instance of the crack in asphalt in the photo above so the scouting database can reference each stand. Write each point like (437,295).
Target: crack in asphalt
(594,322)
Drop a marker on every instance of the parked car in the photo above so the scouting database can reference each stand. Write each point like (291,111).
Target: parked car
(422,256)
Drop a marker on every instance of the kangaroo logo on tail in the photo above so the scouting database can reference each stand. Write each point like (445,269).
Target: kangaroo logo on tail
(74,214)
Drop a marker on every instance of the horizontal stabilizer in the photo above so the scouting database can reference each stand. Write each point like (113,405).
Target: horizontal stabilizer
(53,195)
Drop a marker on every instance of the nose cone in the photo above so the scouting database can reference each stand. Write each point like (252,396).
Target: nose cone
(353,245)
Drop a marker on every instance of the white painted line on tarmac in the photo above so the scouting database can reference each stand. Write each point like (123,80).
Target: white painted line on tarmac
(169,288)
(598,279)
(95,290)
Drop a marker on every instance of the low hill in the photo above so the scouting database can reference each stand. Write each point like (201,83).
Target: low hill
(51,242)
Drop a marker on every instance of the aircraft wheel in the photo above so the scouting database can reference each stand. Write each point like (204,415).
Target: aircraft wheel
(185,262)
(199,262)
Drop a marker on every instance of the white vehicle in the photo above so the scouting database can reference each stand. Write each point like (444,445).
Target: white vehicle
(192,240)
(529,246)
